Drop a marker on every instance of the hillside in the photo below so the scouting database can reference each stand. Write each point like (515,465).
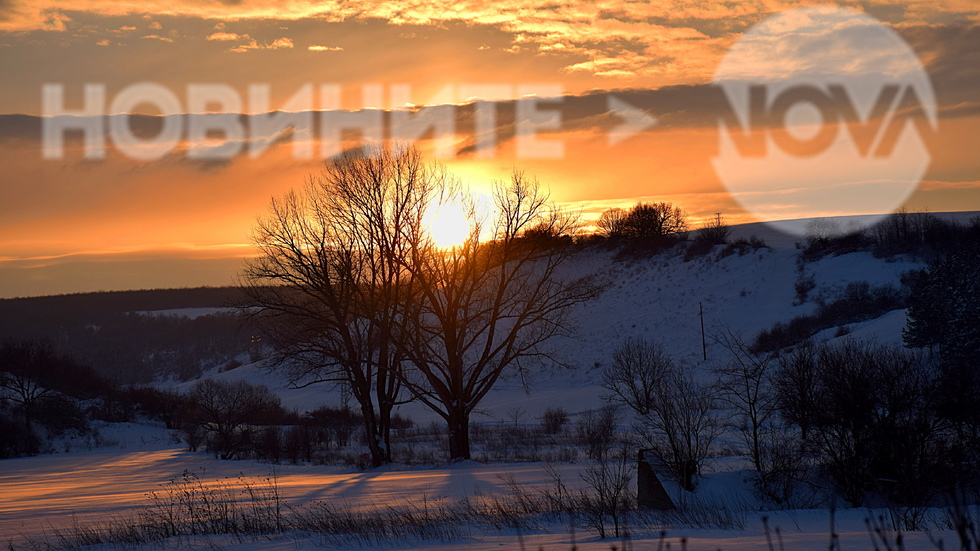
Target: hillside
(658,298)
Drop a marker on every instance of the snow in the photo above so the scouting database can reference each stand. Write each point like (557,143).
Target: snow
(39,494)
(657,298)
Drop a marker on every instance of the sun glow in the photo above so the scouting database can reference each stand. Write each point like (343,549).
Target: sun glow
(448,225)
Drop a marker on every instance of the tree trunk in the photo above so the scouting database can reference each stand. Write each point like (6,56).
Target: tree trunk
(459,436)
(371,430)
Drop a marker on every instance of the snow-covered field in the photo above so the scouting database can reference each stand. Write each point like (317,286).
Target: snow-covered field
(40,495)
(657,298)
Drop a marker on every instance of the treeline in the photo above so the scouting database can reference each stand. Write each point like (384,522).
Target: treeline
(874,425)
(46,396)
(240,420)
(916,234)
(108,331)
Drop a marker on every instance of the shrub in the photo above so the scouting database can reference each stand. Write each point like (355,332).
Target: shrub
(553,420)
(742,246)
(859,301)
(597,431)
(714,232)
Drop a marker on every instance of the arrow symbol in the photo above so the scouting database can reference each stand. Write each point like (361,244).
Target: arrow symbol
(635,120)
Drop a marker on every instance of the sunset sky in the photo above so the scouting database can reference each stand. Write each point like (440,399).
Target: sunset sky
(78,224)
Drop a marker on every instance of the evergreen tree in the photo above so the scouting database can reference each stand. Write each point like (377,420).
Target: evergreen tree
(944,306)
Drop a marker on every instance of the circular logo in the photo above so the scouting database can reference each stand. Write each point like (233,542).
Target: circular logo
(825,117)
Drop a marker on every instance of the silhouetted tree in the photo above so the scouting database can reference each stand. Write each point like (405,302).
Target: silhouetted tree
(637,371)
(745,384)
(944,306)
(228,411)
(655,222)
(873,415)
(488,307)
(331,286)
(611,222)
(677,416)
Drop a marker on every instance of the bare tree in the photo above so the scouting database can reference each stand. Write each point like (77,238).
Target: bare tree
(609,479)
(714,231)
(745,384)
(681,426)
(488,308)
(22,369)
(611,222)
(331,282)
(636,373)
(654,221)
(676,415)
(228,410)
(872,414)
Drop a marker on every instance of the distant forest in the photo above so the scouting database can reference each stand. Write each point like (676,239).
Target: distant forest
(112,332)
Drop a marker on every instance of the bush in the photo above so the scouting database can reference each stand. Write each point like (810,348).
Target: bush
(167,406)
(714,232)
(553,420)
(742,247)
(16,438)
(597,432)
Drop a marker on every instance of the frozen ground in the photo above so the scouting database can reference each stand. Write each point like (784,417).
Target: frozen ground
(41,494)
(655,298)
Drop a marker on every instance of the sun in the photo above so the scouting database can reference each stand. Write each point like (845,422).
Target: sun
(448,225)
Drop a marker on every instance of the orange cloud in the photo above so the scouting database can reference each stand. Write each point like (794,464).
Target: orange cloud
(667,41)
(223,36)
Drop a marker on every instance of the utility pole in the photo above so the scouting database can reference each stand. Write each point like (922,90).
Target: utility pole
(704,347)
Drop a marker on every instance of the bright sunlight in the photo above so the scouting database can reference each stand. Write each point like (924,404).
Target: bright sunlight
(448,224)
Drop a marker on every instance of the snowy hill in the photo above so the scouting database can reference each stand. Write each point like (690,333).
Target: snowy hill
(658,298)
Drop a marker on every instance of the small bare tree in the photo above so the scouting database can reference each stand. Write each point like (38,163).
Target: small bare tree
(611,222)
(682,425)
(745,384)
(609,479)
(637,371)
(676,415)
(23,366)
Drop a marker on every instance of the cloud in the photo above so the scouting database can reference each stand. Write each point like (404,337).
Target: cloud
(158,37)
(318,48)
(662,42)
(252,44)
(156,26)
(103,42)
(223,36)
